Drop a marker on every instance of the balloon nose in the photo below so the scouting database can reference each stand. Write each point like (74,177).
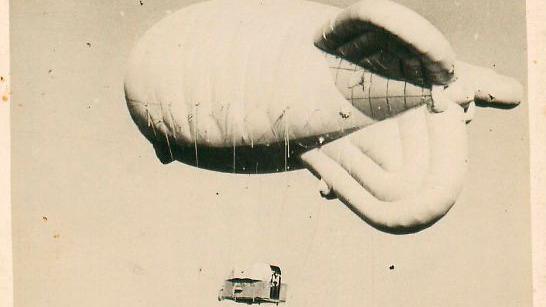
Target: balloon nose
(499,92)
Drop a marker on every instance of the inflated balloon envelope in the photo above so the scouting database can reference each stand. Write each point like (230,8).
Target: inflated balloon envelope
(369,98)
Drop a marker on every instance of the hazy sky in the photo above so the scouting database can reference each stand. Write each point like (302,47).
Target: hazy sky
(98,221)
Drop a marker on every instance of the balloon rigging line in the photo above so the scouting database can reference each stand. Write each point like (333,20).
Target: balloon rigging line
(369,93)
(195,133)
(165,132)
(389,108)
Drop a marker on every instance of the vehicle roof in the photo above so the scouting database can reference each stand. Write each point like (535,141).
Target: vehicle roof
(258,271)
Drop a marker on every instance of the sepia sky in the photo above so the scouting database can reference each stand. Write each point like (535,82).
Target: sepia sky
(99,221)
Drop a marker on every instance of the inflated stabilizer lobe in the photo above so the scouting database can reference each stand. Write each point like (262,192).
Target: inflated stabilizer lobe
(398,191)
(487,87)
(406,48)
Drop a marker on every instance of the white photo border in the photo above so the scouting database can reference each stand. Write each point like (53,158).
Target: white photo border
(536,43)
